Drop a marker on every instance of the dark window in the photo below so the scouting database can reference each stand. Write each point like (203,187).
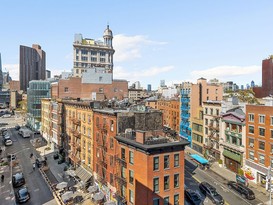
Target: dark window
(131,157)
(261,131)
(122,153)
(166,201)
(251,129)
(156,201)
(156,184)
(176,181)
(156,163)
(131,176)
(176,199)
(166,162)
(261,145)
(176,160)
(166,182)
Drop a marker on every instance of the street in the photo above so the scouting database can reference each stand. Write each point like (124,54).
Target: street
(194,175)
(22,148)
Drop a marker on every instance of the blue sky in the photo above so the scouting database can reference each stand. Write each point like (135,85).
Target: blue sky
(172,40)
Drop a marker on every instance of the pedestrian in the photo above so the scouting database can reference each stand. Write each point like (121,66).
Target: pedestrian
(33,165)
(0,151)
(2,178)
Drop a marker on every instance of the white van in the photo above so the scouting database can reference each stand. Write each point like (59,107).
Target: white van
(25,132)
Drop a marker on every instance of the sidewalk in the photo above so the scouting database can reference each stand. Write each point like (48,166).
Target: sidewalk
(228,175)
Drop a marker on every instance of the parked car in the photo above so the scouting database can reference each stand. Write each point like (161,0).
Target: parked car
(18,180)
(193,197)
(6,116)
(242,189)
(5,138)
(210,191)
(8,142)
(17,127)
(22,195)
(40,162)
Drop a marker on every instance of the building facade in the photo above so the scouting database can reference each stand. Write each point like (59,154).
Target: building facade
(37,90)
(89,53)
(259,142)
(32,65)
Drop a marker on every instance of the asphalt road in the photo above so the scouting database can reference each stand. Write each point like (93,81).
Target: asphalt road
(194,175)
(38,189)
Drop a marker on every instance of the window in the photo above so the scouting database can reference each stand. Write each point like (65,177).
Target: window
(123,172)
(251,142)
(251,117)
(251,129)
(261,145)
(206,122)
(271,146)
(111,160)
(102,53)
(207,91)
(206,130)
(261,119)
(93,53)
(271,120)
(93,59)
(122,153)
(123,190)
(251,155)
(217,112)
(166,201)
(176,199)
(166,162)
(100,78)
(66,89)
(156,201)
(176,181)
(111,143)
(115,90)
(156,163)
(216,91)
(100,90)
(176,160)
(261,158)
(102,60)
(131,176)
(211,111)
(131,157)
(131,196)
(206,110)
(156,184)
(166,182)
(261,131)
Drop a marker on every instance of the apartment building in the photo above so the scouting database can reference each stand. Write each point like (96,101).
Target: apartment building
(211,123)
(232,138)
(89,53)
(170,109)
(259,142)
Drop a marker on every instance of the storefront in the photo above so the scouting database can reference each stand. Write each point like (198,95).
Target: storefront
(232,160)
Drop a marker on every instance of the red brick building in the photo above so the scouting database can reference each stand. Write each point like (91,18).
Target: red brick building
(74,88)
(267,79)
(259,142)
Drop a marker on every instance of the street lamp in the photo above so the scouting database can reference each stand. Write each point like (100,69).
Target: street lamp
(11,156)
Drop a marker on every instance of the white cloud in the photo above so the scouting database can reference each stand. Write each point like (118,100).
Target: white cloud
(129,47)
(13,70)
(121,73)
(225,72)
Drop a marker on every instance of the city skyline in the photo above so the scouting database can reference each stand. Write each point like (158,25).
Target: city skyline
(177,42)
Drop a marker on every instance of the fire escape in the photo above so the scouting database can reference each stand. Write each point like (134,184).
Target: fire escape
(102,160)
(120,179)
(185,129)
(75,140)
(213,137)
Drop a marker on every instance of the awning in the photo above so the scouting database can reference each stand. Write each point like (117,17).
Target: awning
(83,174)
(110,203)
(232,155)
(199,159)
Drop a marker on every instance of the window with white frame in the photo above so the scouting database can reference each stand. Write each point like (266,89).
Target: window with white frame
(261,158)
(251,117)
(251,155)
(251,129)
(261,131)
(271,120)
(261,119)
(131,196)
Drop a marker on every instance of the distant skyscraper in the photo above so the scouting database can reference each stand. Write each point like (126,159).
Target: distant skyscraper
(162,83)
(149,87)
(1,74)
(48,74)
(89,53)
(32,65)
(252,84)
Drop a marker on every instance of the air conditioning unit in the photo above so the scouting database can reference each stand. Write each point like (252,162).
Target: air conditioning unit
(251,145)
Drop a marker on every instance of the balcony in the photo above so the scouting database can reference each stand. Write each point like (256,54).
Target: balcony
(121,161)
(102,127)
(76,121)
(185,100)
(233,146)
(185,116)
(121,180)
